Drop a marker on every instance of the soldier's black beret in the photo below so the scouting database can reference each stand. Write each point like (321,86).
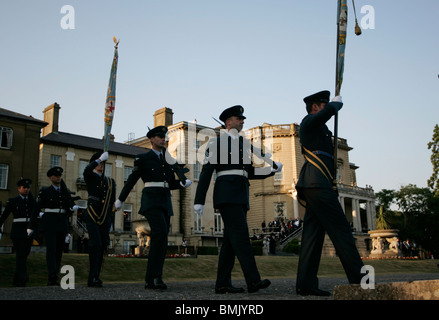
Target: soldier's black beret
(55,171)
(24,182)
(95,156)
(322,96)
(232,111)
(157,131)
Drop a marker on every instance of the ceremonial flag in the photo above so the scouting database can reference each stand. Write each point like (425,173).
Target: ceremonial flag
(110,103)
(342,16)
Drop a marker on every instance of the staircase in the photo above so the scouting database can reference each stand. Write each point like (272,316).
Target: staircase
(80,229)
(295,235)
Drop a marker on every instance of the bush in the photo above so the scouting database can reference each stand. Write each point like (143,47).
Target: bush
(207,251)
(292,247)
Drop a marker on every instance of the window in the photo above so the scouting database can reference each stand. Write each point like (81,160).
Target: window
(218,223)
(55,160)
(108,170)
(197,164)
(127,246)
(197,223)
(4,169)
(126,173)
(6,138)
(82,165)
(197,170)
(127,216)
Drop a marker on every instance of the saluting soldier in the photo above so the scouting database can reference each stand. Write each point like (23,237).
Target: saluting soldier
(230,157)
(54,206)
(21,208)
(99,215)
(159,178)
(323,210)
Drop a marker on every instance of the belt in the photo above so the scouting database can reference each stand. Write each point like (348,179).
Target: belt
(94,198)
(21,220)
(163,184)
(54,210)
(235,172)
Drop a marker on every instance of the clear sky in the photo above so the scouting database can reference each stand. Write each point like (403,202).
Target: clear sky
(199,57)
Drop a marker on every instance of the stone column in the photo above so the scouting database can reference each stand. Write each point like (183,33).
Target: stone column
(356,214)
(341,199)
(295,202)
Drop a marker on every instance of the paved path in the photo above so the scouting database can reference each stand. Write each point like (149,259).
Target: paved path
(280,289)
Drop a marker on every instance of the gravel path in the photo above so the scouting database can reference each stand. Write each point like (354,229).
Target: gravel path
(280,289)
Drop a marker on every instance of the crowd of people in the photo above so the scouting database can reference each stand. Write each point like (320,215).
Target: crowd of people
(281,227)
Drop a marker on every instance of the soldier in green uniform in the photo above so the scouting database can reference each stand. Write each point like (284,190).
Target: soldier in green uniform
(158,177)
(99,215)
(323,210)
(54,206)
(230,157)
(21,208)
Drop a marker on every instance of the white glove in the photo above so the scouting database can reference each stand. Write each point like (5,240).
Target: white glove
(41,214)
(279,167)
(30,232)
(188,183)
(118,204)
(337,99)
(198,209)
(75,208)
(103,157)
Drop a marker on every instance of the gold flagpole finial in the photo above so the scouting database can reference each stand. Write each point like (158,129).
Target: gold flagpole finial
(357,28)
(116,41)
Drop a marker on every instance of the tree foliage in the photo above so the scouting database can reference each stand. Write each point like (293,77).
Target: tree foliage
(433,145)
(417,216)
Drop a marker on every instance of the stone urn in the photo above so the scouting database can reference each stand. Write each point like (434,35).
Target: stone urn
(384,243)
(144,237)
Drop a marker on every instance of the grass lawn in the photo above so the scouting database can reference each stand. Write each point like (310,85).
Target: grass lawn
(116,269)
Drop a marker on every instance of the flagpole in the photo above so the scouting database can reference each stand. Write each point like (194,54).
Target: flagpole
(337,92)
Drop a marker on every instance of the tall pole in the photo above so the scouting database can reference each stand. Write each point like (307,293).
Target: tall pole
(342,16)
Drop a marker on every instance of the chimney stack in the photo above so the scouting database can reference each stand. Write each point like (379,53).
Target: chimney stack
(163,117)
(51,116)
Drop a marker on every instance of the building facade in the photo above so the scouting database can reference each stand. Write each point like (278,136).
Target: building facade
(72,152)
(20,139)
(271,199)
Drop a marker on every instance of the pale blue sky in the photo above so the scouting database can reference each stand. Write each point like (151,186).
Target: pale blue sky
(199,57)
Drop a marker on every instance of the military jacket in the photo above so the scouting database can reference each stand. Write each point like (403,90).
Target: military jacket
(56,207)
(101,195)
(149,168)
(225,153)
(21,210)
(315,136)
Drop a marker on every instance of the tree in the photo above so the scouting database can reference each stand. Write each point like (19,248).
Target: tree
(385,198)
(433,182)
(417,217)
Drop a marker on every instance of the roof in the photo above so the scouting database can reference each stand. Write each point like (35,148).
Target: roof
(93,144)
(18,116)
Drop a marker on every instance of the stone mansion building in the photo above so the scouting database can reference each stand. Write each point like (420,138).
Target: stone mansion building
(270,199)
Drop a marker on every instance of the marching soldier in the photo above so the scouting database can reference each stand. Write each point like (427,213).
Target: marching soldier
(21,208)
(323,210)
(54,206)
(159,178)
(99,214)
(231,198)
